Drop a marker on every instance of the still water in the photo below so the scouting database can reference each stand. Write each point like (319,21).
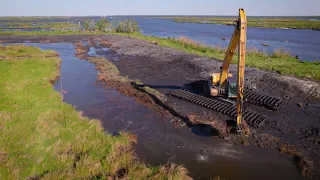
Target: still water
(299,42)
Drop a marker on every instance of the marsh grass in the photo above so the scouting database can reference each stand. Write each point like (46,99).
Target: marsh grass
(108,70)
(37,25)
(301,162)
(20,51)
(42,137)
(292,23)
(281,53)
(159,95)
(31,18)
(88,26)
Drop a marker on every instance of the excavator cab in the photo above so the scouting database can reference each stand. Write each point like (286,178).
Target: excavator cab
(229,92)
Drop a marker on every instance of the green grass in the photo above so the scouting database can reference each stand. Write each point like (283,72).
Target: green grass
(18,51)
(280,62)
(42,137)
(254,22)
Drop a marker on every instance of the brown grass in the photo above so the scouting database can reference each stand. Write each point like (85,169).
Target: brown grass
(301,162)
(188,41)
(281,53)
(257,52)
(172,169)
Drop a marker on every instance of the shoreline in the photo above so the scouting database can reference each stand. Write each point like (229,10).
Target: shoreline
(278,62)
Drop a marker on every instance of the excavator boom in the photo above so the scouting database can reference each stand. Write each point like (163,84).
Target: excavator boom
(242,25)
(228,57)
(239,39)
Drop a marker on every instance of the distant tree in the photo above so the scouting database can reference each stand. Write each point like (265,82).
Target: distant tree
(102,24)
(89,25)
(92,25)
(127,26)
(86,24)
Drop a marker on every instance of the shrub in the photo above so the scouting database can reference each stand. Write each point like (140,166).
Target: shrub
(89,25)
(86,24)
(127,26)
(102,24)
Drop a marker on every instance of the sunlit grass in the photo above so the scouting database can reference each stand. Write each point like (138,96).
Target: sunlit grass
(42,137)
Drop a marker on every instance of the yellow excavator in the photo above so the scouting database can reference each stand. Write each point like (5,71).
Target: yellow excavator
(223,85)
(220,84)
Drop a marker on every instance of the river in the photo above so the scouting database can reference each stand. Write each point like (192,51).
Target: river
(299,42)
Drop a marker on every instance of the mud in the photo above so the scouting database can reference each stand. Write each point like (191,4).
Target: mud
(124,85)
(296,123)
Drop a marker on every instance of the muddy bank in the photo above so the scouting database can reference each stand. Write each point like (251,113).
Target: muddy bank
(91,49)
(158,73)
(164,69)
(159,142)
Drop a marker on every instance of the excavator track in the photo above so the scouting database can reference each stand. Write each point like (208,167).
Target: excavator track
(263,100)
(227,108)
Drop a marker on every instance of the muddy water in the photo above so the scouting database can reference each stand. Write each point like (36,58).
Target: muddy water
(158,142)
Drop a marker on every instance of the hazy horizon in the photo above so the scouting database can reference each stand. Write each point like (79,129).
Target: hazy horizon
(158,8)
(161,16)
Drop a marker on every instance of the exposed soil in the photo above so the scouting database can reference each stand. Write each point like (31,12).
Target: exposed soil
(126,86)
(296,124)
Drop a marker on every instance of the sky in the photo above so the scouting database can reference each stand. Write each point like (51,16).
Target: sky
(158,7)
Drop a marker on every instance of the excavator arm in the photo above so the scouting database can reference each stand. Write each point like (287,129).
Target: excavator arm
(239,38)
(242,24)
